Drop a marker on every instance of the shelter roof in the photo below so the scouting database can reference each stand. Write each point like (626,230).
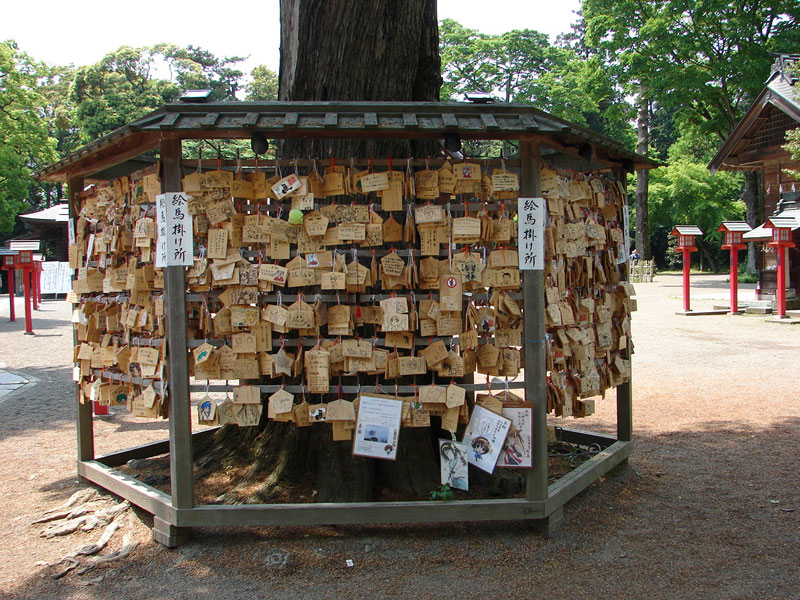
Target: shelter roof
(734,226)
(776,107)
(55,214)
(764,231)
(337,120)
(686,230)
(24,244)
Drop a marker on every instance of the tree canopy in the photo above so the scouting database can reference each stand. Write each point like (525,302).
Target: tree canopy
(523,66)
(25,143)
(696,65)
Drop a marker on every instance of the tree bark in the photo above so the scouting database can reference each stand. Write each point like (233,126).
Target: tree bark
(750,196)
(642,178)
(359,50)
(368,50)
(704,251)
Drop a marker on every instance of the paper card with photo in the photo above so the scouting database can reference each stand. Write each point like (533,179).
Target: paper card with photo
(517,450)
(454,465)
(485,435)
(377,426)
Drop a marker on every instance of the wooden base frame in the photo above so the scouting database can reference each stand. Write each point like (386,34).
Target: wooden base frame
(171,525)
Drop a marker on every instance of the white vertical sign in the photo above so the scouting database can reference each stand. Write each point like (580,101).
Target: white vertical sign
(530,229)
(624,254)
(175,245)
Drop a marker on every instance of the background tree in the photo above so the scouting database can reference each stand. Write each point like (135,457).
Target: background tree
(522,66)
(24,142)
(117,90)
(684,191)
(123,87)
(263,85)
(704,60)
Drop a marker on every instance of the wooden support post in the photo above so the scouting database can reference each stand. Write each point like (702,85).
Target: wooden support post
(535,368)
(12,284)
(85,430)
(169,535)
(625,407)
(27,279)
(180,422)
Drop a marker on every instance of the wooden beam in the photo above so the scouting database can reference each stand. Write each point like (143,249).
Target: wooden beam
(489,121)
(85,426)
(534,333)
(210,120)
(180,422)
(128,147)
(574,482)
(370,119)
(763,155)
(579,436)
(528,122)
(142,495)
(290,120)
(347,513)
(169,120)
(449,120)
(250,119)
(115,459)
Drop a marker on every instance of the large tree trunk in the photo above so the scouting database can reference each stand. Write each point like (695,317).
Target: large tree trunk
(337,51)
(750,197)
(642,178)
(359,50)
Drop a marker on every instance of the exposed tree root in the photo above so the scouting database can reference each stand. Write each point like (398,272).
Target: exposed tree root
(82,495)
(86,517)
(85,521)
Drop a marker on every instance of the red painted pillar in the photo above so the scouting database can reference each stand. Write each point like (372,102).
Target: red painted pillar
(35,288)
(26,280)
(39,285)
(12,284)
(781,281)
(734,280)
(687,257)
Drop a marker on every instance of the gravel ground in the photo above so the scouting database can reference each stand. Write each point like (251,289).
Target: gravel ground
(707,507)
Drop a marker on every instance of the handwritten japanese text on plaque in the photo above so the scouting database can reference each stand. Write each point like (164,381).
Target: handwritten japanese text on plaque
(175,232)
(530,226)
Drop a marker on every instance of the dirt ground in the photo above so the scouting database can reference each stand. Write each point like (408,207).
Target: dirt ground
(707,507)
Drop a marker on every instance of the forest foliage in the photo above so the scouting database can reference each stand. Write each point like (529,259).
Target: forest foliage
(697,64)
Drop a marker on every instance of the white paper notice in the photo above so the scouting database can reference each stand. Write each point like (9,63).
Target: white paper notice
(485,436)
(453,462)
(377,427)
(175,246)
(626,223)
(518,447)
(530,227)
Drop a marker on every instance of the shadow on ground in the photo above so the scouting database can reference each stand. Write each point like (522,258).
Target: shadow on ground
(709,513)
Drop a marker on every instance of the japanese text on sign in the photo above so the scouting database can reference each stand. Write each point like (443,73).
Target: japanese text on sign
(175,232)
(530,226)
